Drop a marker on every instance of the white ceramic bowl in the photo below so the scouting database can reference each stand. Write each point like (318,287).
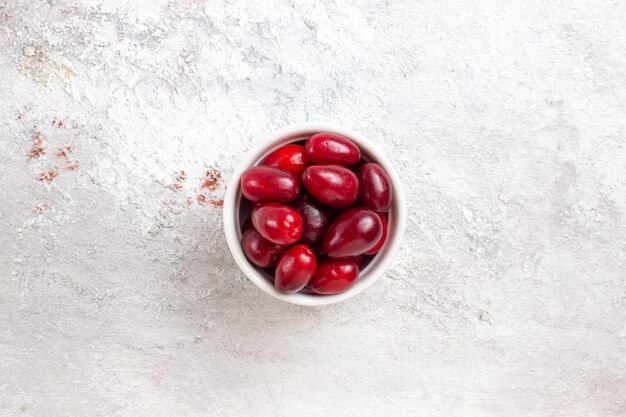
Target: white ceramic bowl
(235,213)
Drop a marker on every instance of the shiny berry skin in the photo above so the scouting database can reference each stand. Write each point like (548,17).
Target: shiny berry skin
(334,276)
(380,243)
(277,223)
(263,184)
(290,158)
(332,185)
(375,187)
(329,148)
(259,250)
(294,269)
(315,218)
(355,232)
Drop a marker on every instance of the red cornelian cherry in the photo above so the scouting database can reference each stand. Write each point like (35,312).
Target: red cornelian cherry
(261,184)
(290,158)
(315,218)
(334,276)
(380,243)
(329,148)
(294,269)
(277,223)
(332,185)
(353,233)
(375,187)
(259,250)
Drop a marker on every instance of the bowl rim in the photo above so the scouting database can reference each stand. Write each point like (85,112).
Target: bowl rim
(232,202)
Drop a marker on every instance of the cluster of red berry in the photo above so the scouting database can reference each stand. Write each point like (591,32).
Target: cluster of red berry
(320,236)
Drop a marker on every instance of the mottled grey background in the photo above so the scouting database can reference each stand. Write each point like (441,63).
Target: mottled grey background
(506,121)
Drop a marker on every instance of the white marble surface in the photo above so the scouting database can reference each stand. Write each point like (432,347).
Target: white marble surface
(506,121)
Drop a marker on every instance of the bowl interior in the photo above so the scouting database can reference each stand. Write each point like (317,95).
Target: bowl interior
(237,210)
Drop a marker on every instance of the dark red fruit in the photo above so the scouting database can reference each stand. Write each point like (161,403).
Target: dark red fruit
(294,269)
(278,223)
(375,187)
(314,217)
(380,243)
(355,232)
(262,184)
(290,158)
(332,185)
(334,276)
(328,148)
(259,250)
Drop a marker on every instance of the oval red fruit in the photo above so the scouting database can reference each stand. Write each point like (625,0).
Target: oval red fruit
(334,276)
(262,184)
(290,158)
(375,187)
(259,250)
(277,223)
(332,185)
(315,218)
(294,269)
(380,243)
(329,148)
(353,233)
